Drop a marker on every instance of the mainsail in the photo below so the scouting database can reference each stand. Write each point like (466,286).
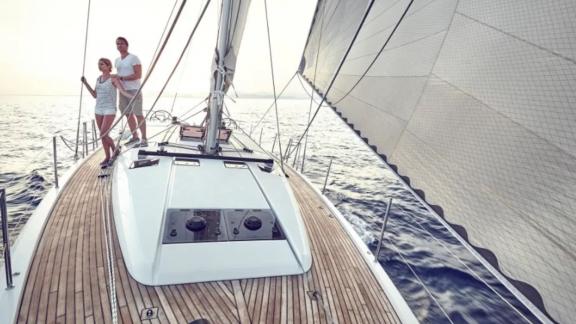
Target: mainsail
(474,101)
(231,27)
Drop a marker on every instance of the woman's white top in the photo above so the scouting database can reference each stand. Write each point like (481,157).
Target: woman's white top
(105,97)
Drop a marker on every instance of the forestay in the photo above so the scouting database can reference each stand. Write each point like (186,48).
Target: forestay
(474,101)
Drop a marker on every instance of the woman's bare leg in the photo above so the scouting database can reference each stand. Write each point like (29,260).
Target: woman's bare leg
(107,141)
(100,122)
(99,119)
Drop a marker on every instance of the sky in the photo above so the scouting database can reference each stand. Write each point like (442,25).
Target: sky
(43,43)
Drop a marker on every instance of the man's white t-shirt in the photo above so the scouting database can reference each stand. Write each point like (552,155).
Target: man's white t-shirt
(125,67)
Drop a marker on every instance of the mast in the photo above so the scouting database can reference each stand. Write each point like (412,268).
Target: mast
(217,91)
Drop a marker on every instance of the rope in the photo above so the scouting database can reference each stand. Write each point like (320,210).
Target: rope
(67,142)
(274,85)
(81,85)
(109,247)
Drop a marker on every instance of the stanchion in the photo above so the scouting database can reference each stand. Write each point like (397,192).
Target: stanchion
(55,161)
(383,228)
(6,240)
(327,174)
(94,136)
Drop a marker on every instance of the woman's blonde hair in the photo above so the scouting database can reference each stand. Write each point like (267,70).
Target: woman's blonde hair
(107,62)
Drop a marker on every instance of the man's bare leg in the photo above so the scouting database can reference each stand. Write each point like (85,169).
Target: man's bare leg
(132,125)
(142,126)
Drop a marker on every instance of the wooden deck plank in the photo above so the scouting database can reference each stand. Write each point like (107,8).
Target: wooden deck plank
(331,279)
(203,306)
(173,314)
(155,300)
(176,300)
(47,307)
(69,281)
(219,309)
(190,304)
(240,301)
(219,293)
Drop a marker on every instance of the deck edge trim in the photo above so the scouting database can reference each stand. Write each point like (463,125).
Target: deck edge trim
(26,244)
(398,302)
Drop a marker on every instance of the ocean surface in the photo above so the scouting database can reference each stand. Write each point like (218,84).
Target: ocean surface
(440,279)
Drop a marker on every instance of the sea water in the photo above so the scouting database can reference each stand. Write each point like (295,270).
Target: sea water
(440,279)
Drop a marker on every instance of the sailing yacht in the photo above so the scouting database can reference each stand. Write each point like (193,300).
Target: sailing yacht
(205,227)
(470,102)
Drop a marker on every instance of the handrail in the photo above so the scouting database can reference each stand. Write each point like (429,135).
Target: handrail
(5,239)
(388,206)
(327,174)
(55,158)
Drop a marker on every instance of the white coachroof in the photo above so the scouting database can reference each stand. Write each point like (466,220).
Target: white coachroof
(143,197)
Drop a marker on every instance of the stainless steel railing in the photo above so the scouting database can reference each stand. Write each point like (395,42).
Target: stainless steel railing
(3,206)
(327,175)
(383,228)
(6,239)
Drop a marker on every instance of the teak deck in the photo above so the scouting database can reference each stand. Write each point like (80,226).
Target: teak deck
(68,279)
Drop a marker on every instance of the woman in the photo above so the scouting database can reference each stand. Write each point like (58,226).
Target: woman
(105,110)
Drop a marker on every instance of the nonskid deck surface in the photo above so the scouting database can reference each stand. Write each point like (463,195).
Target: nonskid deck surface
(69,279)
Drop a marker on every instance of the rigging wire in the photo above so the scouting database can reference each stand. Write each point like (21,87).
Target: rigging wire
(309,94)
(81,85)
(274,85)
(7,184)
(379,52)
(272,104)
(155,61)
(421,283)
(179,58)
(163,33)
(470,270)
(149,73)
(314,81)
(336,73)
(474,273)
(130,104)
(179,82)
(191,109)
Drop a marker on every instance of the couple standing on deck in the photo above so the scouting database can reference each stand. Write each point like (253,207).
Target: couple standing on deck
(127,81)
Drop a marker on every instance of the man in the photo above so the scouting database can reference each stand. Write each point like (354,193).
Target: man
(129,72)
